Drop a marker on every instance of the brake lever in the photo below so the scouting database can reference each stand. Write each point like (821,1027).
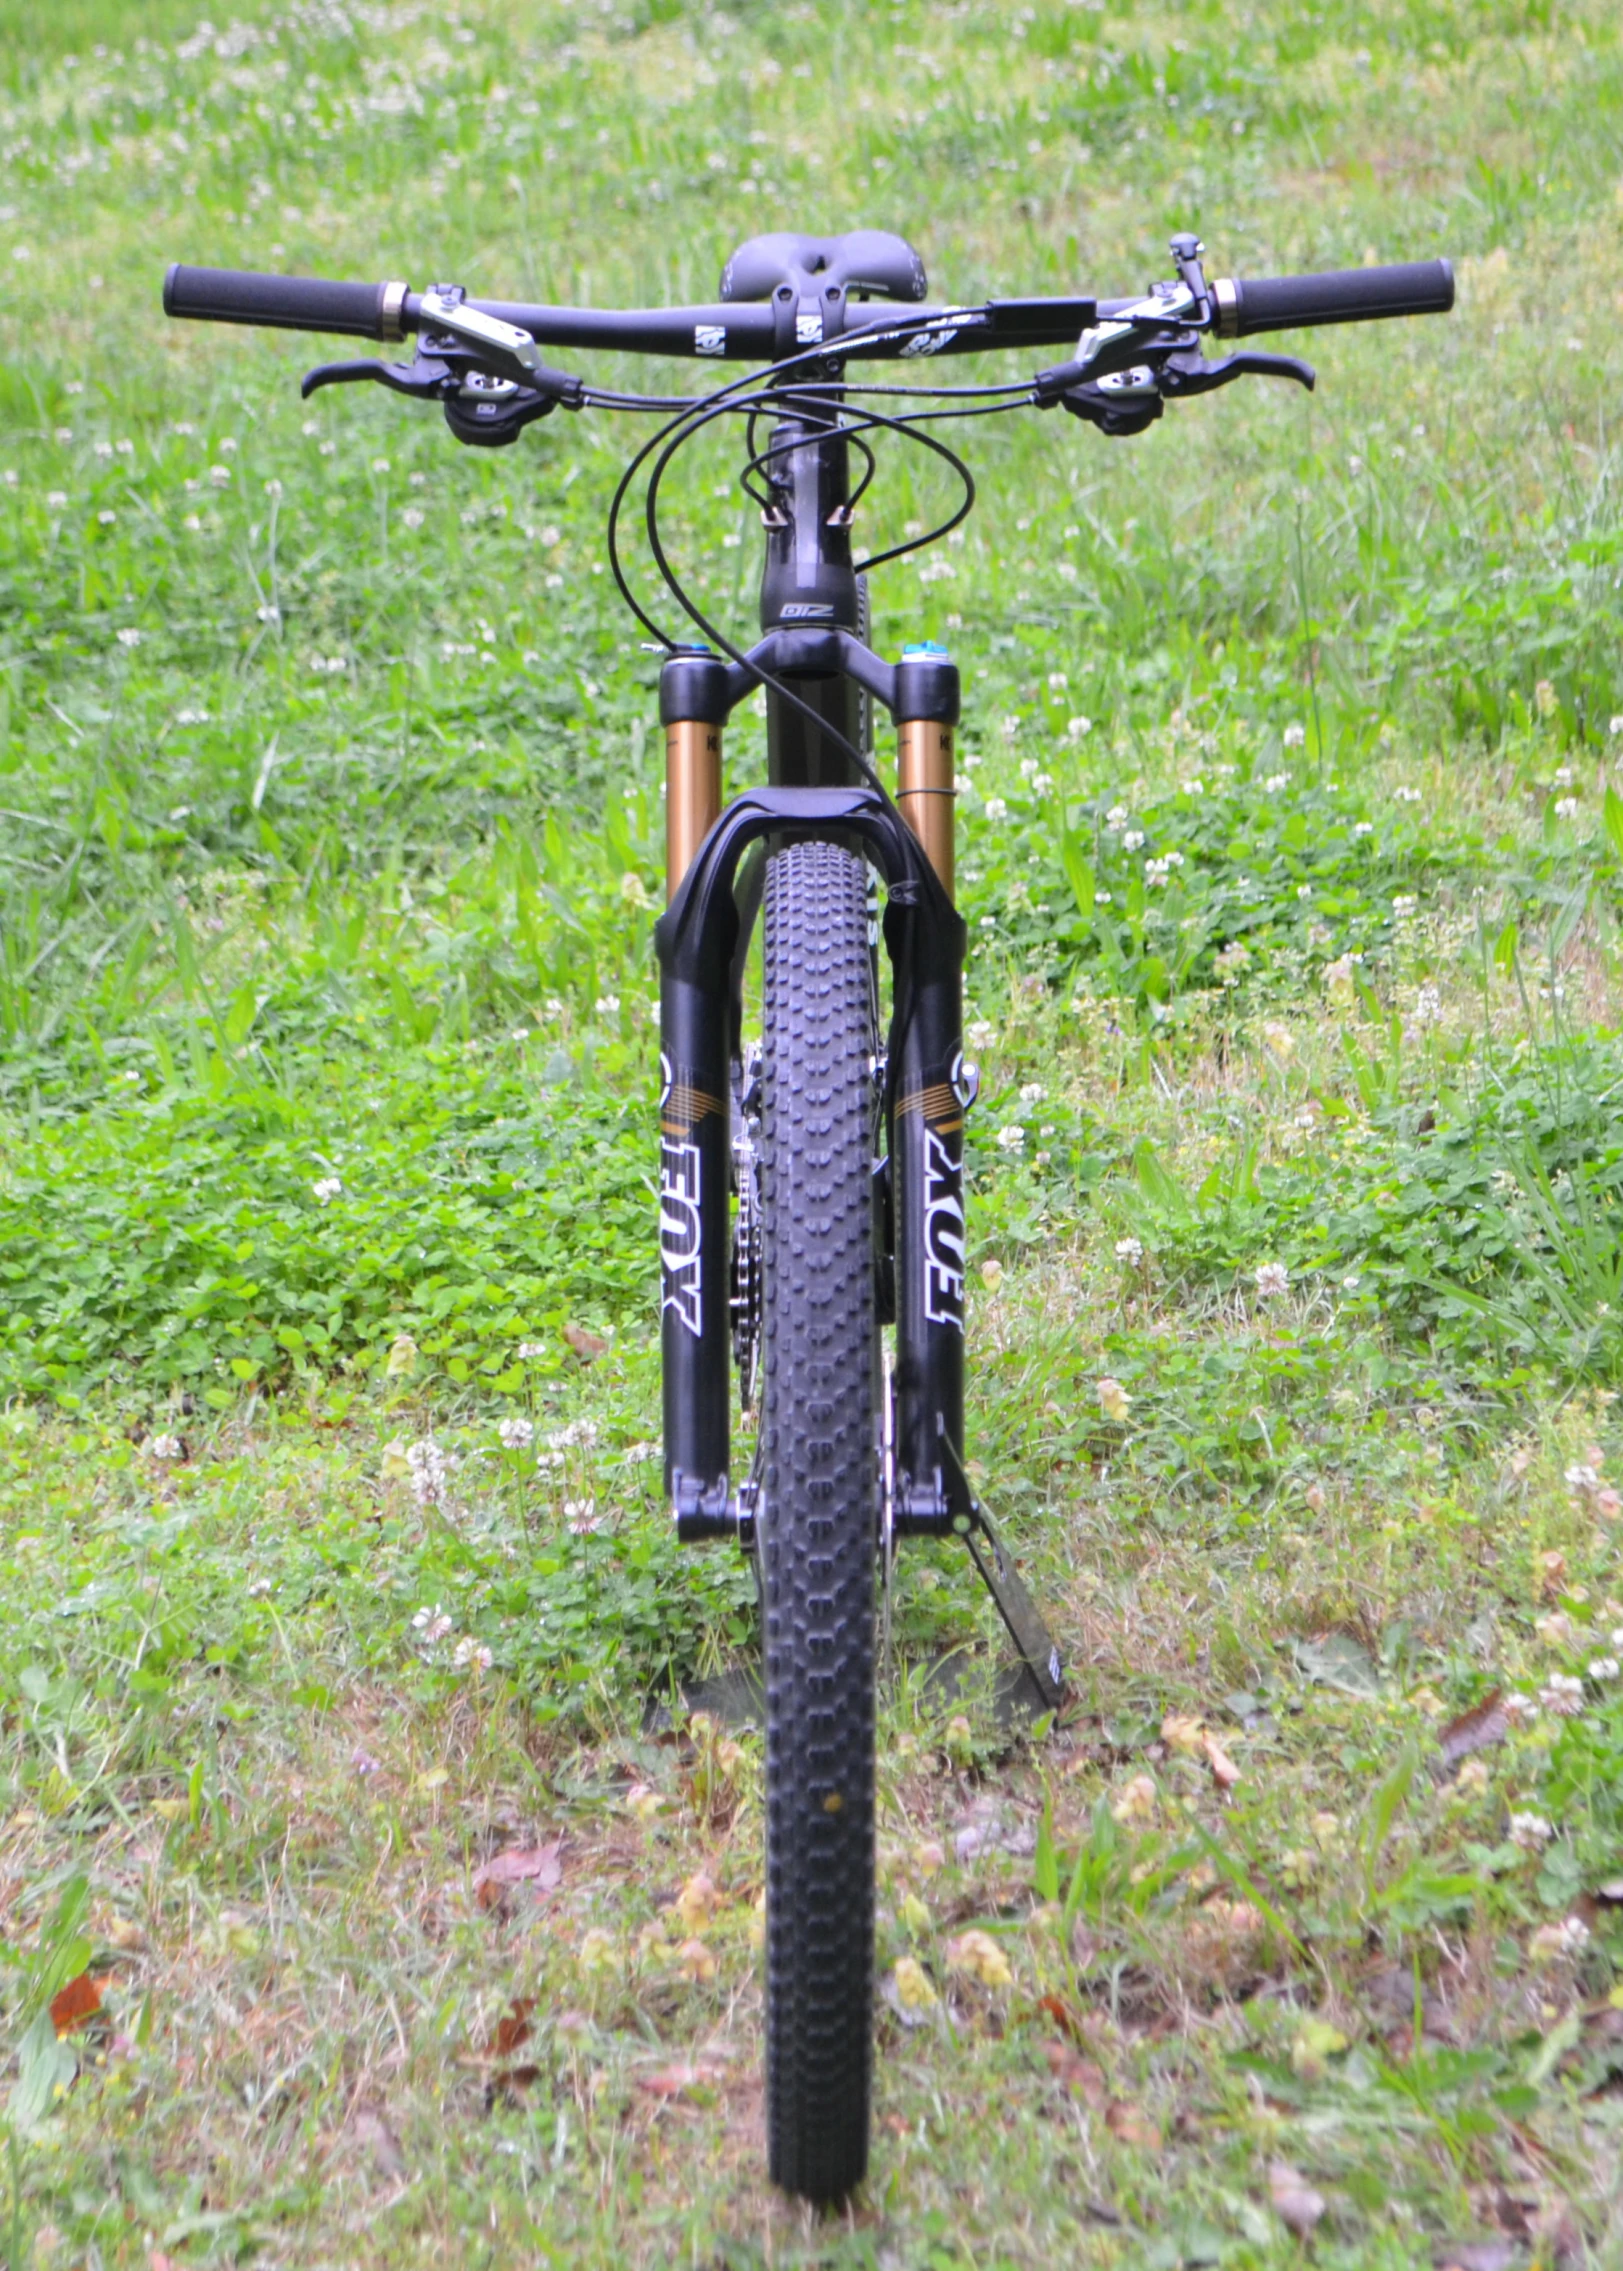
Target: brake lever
(1191,372)
(424,380)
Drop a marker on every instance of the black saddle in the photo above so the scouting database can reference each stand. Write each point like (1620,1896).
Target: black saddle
(865,264)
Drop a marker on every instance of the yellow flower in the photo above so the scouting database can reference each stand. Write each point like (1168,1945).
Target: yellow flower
(913,1989)
(978,1956)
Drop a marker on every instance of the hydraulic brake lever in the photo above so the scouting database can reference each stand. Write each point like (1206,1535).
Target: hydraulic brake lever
(1193,373)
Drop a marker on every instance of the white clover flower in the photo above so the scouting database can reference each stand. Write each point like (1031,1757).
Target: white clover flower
(1565,807)
(1553,1943)
(260,1587)
(432,1623)
(1530,1831)
(1428,1005)
(1114,1401)
(1519,1707)
(1117,814)
(1133,840)
(165,1447)
(1011,726)
(1407,795)
(1130,1250)
(327,1187)
(56,499)
(1275,782)
(472,1655)
(1195,787)
(104,449)
(608,1005)
(1563,776)
(228,447)
(1351,1284)
(273,488)
(579,1434)
(528,1351)
(380,465)
(269,613)
(220,475)
(1273,1279)
(426,1466)
(192,523)
(1057,682)
(1403,905)
(516,1434)
(981,1034)
(1602,1668)
(996,808)
(1582,1480)
(1294,736)
(1562,1695)
(411,517)
(1076,728)
(1033,1092)
(1156,872)
(1304,891)
(1363,827)
(581,1516)
(1011,1138)
(1042,784)
(1615,727)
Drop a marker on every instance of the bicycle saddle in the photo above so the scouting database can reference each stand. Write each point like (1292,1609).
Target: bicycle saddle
(866,262)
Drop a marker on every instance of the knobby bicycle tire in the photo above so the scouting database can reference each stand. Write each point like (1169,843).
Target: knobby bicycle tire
(818,1515)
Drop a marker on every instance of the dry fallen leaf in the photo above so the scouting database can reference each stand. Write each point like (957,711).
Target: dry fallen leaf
(1136,1802)
(587,1346)
(1474,2255)
(978,1956)
(1075,2073)
(695,1962)
(696,1902)
(78,2001)
(1475,1730)
(1296,2204)
(1131,2127)
(687,2078)
(513,2027)
(370,2129)
(1181,1733)
(537,1865)
(124,1932)
(1224,1771)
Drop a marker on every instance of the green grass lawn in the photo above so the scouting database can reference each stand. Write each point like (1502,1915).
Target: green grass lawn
(330,832)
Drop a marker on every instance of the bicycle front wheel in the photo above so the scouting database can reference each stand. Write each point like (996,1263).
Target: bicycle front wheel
(818,1514)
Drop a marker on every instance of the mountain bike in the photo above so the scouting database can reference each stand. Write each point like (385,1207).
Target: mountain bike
(812,1178)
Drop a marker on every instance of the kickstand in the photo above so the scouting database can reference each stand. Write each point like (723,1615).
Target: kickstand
(1008,1588)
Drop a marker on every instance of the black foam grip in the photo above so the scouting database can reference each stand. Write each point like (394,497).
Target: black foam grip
(1345,295)
(283,303)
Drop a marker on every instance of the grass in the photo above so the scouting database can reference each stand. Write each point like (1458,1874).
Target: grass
(1291,848)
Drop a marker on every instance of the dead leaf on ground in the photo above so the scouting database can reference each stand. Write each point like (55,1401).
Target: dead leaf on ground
(1129,2126)
(1474,2255)
(1296,2204)
(1224,1771)
(1338,1661)
(1067,2020)
(369,2128)
(1077,2074)
(1181,1733)
(692,2078)
(587,1346)
(513,2027)
(78,2001)
(1475,1730)
(537,1865)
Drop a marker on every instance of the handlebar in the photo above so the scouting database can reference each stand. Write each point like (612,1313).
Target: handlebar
(727,331)
(1343,295)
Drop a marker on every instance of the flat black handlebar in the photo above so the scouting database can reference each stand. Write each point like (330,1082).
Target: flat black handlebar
(764,332)
(728,331)
(1344,295)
